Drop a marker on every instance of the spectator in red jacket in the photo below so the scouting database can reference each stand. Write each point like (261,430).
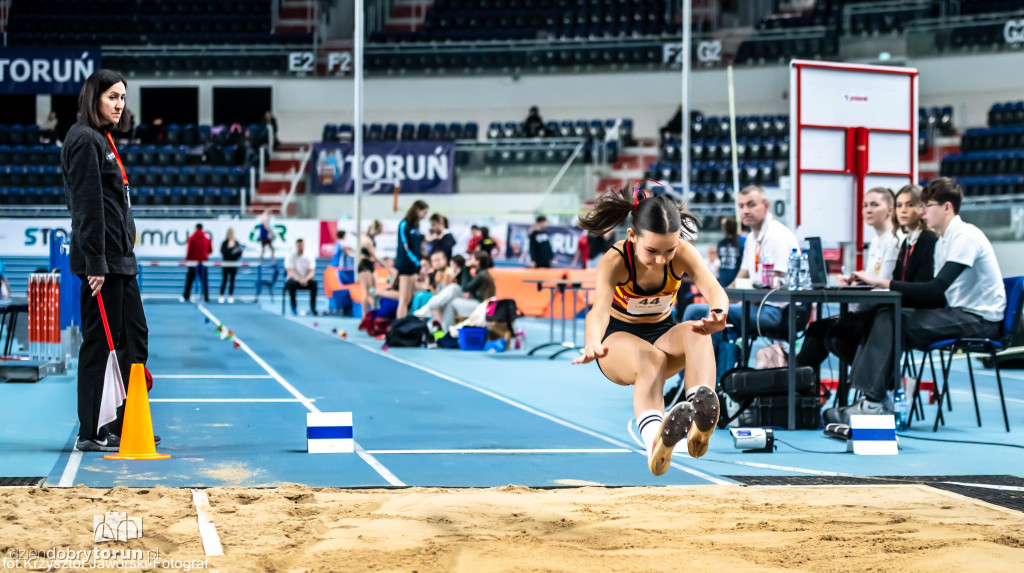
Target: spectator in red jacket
(198,250)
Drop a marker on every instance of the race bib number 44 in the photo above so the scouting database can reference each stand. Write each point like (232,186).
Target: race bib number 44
(649,305)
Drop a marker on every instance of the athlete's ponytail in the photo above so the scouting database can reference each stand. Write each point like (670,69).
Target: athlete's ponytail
(658,214)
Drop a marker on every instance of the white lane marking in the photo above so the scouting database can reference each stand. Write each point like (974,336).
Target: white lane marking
(67,479)
(369,459)
(986,486)
(984,395)
(207,530)
(510,451)
(229,400)
(376,465)
(544,415)
(213,376)
(796,470)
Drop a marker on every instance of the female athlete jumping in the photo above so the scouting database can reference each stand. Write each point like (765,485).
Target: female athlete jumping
(630,331)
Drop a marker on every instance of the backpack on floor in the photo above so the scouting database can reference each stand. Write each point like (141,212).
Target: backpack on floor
(501,317)
(408,332)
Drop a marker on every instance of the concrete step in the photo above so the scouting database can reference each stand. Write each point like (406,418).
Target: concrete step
(279,187)
(283,165)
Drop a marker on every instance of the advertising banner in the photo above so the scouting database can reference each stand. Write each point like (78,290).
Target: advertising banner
(416,166)
(46,70)
(163,237)
(564,242)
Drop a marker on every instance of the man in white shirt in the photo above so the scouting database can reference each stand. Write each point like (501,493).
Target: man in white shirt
(966,299)
(301,268)
(769,242)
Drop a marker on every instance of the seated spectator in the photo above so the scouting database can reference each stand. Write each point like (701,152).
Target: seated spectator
(48,131)
(965,299)
(673,128)
(841,336)
(429,280)
(463,293)
(301,268)
(729,252)
(533,126)
(440,239)
(541,254)
(154,133)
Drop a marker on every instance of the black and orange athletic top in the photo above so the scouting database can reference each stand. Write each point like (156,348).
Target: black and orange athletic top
(632,300)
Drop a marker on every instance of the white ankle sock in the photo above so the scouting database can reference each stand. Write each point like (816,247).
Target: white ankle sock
(649,423)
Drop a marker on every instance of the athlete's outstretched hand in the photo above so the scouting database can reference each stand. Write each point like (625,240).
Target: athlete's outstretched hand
(710,325)
(591,352)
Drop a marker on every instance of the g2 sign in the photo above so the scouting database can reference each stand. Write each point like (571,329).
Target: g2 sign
(1013,31)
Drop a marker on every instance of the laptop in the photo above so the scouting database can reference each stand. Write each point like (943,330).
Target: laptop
(818,270)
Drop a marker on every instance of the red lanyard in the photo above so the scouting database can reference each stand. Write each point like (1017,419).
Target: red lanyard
(124,176)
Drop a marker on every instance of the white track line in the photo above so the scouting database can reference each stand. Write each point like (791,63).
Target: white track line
(229,400)
(519,405)
(796,470)
(544,415)
(369,459)
(213,376)
(987,486)
(207,530)
(67,479)
(509,451)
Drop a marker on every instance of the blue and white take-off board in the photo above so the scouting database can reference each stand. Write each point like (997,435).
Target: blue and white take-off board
(873,435)
(329,433)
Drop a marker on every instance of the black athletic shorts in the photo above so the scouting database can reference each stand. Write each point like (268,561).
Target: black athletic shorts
(365,265)
(407,268)
(649,331)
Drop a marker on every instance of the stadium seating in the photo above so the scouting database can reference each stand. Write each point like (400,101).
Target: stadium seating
(160,175)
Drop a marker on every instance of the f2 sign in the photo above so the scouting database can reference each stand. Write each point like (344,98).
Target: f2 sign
(339,63)
(708,53)
(301,62)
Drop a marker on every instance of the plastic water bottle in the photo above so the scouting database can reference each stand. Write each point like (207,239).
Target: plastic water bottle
(793,270)
(901,409)
(768,272)
(805,272)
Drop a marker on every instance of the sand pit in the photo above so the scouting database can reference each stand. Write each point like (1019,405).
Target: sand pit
(709,528)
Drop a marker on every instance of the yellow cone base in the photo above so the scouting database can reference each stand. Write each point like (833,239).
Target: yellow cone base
(137,431)
(138,457)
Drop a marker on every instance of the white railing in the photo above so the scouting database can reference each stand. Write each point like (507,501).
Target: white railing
(296,177)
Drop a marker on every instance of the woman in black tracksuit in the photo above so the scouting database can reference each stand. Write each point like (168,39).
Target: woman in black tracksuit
(231,251)
(409,255)
(102,251)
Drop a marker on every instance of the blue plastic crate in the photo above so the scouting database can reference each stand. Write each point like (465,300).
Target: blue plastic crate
(472,337)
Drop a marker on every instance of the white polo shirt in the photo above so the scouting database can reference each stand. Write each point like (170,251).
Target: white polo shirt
(775,242)
(300,263)
(882,254)
(979,289)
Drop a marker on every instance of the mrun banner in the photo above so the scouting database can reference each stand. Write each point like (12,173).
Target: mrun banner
(415,166)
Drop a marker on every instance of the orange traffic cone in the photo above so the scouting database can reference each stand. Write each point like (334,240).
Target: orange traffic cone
(137,432)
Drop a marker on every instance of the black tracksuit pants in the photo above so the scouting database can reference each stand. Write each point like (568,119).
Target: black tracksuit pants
(130,334)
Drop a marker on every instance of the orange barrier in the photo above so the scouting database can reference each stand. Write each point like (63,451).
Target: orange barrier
(355,290)
(44,316)
(536,302)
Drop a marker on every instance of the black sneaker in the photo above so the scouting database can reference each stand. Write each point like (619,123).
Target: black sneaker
(116,440)
(98,445)
(673,429)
